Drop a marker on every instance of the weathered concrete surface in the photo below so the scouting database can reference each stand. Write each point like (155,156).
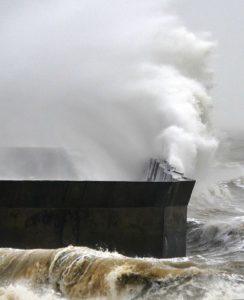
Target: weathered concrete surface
(134,218)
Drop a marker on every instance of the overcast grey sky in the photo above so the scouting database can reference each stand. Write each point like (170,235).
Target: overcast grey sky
(225,20)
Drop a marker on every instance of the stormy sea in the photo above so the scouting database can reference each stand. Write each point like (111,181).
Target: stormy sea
(115,83)
(213,268)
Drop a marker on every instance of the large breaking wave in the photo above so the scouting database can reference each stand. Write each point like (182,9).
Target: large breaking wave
(113,82)
(82,273)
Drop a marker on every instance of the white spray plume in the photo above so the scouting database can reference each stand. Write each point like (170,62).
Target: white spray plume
(113,82)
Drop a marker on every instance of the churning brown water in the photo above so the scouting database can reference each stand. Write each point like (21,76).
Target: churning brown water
(79,272)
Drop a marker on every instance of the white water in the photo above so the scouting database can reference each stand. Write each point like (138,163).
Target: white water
(22,292)
(113,82)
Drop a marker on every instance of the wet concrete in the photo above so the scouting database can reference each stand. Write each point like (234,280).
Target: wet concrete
(134,218)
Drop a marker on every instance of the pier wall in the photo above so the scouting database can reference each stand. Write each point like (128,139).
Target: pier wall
(134,218)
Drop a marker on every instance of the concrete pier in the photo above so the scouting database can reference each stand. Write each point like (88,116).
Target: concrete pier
(135,218)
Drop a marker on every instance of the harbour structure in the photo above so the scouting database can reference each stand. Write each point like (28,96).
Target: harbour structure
(135,218)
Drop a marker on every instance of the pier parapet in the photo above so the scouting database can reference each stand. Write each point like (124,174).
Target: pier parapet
(142,218)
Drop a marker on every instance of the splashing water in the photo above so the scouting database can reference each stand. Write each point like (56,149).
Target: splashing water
(82,273)
(115,83)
